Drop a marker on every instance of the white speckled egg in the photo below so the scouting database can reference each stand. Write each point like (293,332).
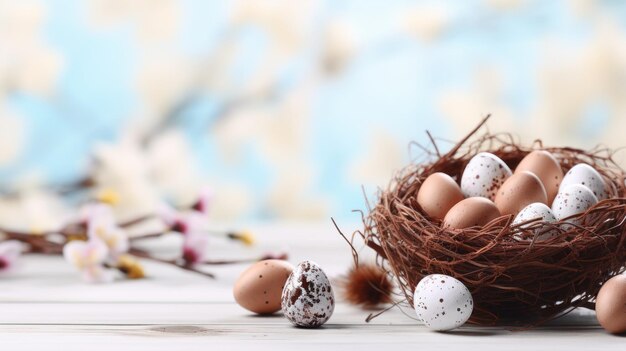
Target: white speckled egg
(534,211)
(571,200)
(483,175)
(586,175)
(308,299)
(442,302)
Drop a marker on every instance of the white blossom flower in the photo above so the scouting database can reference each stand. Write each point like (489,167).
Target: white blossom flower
(101,226)
(82,254)
(97,275)
(89,258)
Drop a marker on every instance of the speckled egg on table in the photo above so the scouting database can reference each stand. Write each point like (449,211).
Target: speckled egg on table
(442,302)
(308,300)
(483,175)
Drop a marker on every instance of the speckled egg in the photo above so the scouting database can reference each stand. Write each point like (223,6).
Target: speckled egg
(438,194)
(586,175)
(546,167)
(571,200)
(536,210)
(519,191)
(483,175)
(258,289)
(307,299)
(442,302)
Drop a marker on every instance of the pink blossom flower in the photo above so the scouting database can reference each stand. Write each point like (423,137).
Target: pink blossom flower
(204,201)
(10,252)
(195,248)
(181,222)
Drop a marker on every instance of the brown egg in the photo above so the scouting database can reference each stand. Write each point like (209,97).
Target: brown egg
(546,167)
(521,189)
(438,194)
(611,305)
(259,288)
(473,211)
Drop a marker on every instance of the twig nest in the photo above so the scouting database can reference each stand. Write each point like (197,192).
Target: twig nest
(512,281)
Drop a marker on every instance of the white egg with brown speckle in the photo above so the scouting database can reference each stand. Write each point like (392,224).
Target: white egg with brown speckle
(586,175)
(536,211)
(442,302)
(572,200)
(307,299)
(483,175)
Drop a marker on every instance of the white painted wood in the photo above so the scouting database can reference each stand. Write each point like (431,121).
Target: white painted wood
(45,306)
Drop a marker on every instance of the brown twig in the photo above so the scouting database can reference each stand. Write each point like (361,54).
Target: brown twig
(145,255)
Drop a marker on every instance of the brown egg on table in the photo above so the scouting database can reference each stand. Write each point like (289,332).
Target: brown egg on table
(546,167)
(438,194)
(259,288)
(520,190)
(470,212)
(611,305)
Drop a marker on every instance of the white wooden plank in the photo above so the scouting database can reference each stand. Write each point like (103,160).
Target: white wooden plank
(278,337)
(130,313)
(167,313)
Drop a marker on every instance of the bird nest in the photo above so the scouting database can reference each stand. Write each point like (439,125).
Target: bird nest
(513,282)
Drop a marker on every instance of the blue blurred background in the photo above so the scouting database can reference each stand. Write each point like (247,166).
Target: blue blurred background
(286,108)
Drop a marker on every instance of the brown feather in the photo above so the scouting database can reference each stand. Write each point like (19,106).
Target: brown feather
(368,286)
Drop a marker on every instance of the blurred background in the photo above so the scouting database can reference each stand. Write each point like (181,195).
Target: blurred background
(285,109)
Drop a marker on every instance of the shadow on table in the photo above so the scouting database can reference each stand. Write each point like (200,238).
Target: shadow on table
(265,316)
(472,332)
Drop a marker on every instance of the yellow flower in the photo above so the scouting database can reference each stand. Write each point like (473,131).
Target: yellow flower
(36,230)
(246,237)
(128,265)
(108,196)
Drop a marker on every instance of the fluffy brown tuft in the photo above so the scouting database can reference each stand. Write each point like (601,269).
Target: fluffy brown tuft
(367,285)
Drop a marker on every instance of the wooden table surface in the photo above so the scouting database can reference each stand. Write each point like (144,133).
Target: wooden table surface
(45,306)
